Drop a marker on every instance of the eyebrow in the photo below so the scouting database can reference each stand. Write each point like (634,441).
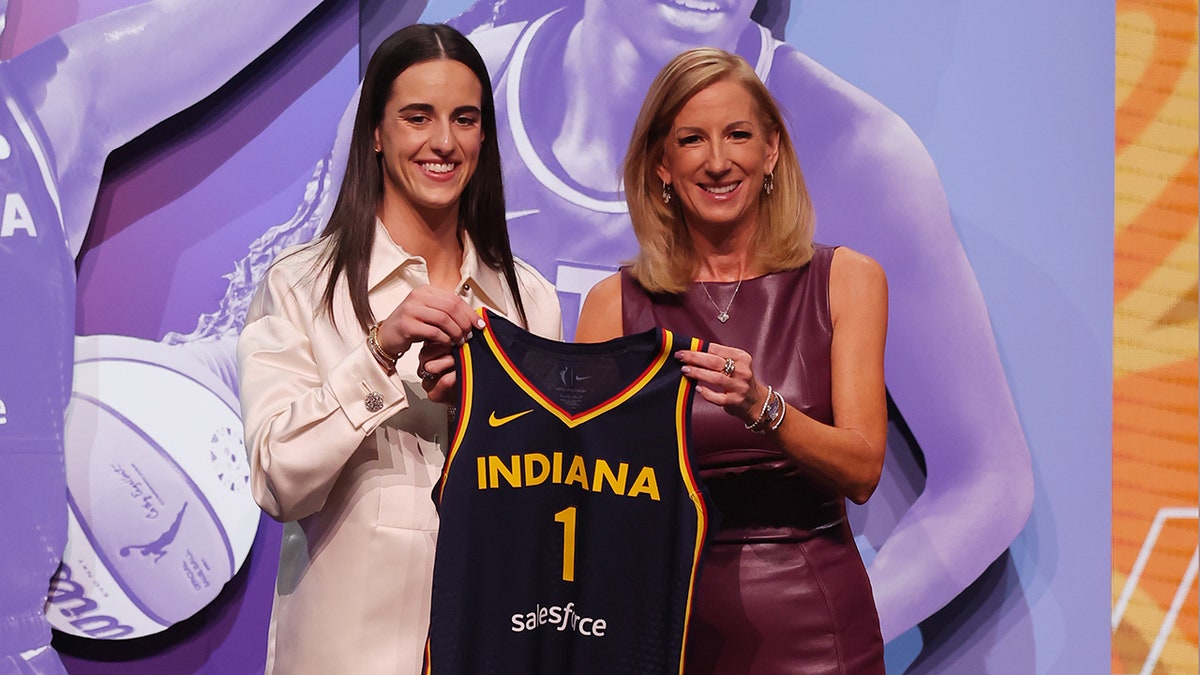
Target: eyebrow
(700,130)
(428,109)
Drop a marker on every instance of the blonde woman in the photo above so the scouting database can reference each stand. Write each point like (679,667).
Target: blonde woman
(794,417)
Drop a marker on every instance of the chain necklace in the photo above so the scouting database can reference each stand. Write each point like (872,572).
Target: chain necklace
(722,314)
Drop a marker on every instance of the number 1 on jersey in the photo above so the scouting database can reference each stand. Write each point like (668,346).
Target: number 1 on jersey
(567,518)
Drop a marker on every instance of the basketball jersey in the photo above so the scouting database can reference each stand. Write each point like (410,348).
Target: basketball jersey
(572,522)
(37,311)
(37,280)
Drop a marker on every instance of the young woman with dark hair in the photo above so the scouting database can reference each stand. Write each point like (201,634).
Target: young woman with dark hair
(344,446)
(481,206)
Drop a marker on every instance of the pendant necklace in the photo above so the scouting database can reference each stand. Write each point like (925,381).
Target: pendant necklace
(722,314)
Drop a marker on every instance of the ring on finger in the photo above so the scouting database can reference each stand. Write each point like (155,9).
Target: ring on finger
(425,374)
(730,366)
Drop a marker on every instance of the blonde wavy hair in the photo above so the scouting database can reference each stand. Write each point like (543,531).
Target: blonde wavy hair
(666,261)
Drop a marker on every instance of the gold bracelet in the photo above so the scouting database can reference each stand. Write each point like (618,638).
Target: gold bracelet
(388,366)
(385,359)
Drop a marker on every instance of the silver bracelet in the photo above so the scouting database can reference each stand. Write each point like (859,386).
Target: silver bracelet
(772,414)
(762,413)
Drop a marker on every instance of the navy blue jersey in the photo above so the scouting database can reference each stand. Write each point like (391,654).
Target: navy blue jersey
(572,523)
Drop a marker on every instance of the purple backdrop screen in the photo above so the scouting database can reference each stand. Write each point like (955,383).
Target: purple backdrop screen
(130,243)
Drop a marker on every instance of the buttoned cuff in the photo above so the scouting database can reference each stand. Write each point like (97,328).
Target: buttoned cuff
(367,395)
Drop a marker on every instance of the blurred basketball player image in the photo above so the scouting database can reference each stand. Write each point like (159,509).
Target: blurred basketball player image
(66,107)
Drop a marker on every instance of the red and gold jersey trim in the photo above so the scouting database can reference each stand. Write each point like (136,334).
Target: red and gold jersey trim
(466,400)
(688,474)
(574,420)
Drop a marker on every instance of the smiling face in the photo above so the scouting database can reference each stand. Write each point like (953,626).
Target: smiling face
(716,155)
(663,28)
(430,136)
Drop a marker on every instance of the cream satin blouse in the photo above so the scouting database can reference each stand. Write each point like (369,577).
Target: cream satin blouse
(352,485)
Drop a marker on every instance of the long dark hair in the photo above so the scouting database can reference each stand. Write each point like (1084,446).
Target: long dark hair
(351,227)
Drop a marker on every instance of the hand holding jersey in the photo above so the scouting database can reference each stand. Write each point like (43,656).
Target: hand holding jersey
(572,522)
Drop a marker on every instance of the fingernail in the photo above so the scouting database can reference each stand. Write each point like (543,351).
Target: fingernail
(686,370)
(679,354)
(480,324)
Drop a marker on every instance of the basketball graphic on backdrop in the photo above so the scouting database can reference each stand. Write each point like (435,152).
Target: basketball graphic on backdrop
(161,515)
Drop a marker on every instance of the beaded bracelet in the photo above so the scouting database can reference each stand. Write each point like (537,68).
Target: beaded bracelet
(772,416)
(758,425)
(385,359)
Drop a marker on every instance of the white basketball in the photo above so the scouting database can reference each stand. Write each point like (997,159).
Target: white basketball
(160,513)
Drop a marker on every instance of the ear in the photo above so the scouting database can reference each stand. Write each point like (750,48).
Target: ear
(375,135)
(663,171)
(772,154)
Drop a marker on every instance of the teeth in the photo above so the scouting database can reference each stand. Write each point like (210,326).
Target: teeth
(721,190)
(697,5)
(438,168)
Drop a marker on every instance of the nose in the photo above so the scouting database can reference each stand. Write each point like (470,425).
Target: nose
(442,140)
(717,161)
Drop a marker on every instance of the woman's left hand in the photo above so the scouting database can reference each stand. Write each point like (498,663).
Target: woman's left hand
(725,377)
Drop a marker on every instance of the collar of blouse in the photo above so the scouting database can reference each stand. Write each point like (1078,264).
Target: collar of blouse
(388,259)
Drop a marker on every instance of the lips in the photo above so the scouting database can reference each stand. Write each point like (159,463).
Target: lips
(696,17)
(439,172)
(720,191)
(438,167)
(702,6)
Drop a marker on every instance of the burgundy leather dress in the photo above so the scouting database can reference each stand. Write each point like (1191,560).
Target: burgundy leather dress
(783,588)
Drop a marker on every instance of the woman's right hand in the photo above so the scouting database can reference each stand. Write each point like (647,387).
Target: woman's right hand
(431,315)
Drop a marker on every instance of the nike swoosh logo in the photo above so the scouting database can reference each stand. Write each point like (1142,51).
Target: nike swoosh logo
(501,421)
